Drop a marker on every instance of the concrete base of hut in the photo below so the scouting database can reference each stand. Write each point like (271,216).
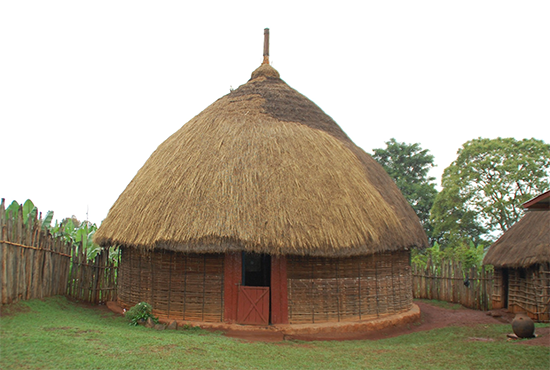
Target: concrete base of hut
(290,331)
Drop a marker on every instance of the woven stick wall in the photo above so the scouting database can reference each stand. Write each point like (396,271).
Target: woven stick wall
(178,286)
(529,291)
(348,289)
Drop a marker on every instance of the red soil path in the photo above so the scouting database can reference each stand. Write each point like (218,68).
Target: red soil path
(432,317)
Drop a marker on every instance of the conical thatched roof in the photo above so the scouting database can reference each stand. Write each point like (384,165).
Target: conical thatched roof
(527,242)
(262,169)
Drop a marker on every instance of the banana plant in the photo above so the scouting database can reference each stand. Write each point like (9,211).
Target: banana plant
(84,235)
(56,230)
(67,230)
(13,209)
(93,248)
(47,221)
(28,211)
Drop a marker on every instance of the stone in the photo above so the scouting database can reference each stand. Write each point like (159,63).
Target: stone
(173,325)
(160,327)
(149,323)
(115,307)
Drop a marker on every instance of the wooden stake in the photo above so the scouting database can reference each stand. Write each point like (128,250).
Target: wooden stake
(266,46)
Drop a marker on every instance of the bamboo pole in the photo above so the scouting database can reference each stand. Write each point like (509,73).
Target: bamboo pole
(26,293)
(3,255)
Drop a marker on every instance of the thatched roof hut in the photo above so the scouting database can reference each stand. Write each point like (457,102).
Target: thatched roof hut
(262,170)
(527,242)
(521,257)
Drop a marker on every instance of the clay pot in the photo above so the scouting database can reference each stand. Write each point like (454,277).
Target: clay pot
(523,326)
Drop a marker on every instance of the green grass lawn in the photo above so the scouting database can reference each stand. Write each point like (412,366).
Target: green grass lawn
(59,334)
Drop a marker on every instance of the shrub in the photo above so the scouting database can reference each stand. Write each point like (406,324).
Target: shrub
(140,313)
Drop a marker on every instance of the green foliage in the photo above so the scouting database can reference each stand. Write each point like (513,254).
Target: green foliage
(484,188)
(454,225)
(469,255)
(13,209)
(420,257)
(73,231)
(190,328)
(140,313)
(408,165)
(27,209)
(114,254)
(47,221)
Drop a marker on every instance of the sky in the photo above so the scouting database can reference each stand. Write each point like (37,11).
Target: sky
(89,89)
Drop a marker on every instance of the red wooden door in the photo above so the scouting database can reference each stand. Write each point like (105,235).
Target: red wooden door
(253,305)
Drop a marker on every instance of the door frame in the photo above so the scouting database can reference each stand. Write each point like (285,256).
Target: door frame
(278,289)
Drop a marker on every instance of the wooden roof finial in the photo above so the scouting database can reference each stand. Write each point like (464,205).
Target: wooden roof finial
(266,46)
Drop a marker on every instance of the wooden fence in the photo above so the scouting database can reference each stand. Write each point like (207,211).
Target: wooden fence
(448,281)
(92,281)
(34,264)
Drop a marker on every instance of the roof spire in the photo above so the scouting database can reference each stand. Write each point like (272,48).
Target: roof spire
(266,46)
(265,70)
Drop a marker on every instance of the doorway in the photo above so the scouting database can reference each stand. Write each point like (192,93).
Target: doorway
(256,269)
(253,298)
(505,284)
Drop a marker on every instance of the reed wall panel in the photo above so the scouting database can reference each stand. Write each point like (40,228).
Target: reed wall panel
(348,289)
(178,286)
(529,291)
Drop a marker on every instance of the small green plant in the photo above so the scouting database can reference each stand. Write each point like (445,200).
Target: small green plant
(190,328)
(140,313)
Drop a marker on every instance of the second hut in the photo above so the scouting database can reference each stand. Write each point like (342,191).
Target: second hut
(521,258)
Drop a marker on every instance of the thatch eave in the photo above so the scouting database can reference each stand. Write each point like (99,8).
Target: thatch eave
(213,245)
(525,244)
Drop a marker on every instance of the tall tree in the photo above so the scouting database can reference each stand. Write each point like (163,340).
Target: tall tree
(483,189)
(408,165)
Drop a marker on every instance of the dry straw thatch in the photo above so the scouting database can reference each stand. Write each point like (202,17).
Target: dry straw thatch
(262,169)
(526,243)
